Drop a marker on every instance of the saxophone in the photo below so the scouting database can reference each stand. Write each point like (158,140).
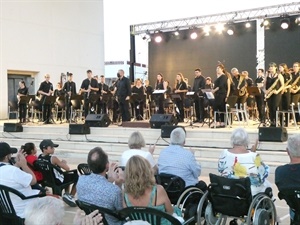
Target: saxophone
(286,85)
(294,86)
(271,89)
(243,90)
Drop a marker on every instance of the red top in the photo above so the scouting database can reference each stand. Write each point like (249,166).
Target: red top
(31,159)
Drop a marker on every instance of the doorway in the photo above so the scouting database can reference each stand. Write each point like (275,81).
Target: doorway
(13,85)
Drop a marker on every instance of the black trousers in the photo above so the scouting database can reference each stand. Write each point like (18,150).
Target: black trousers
(199,108)
(124,108)
(260,103)
(219,105)
(285,105)
(273,103)
(22,112)
(139,110)
(46,112)
(296,99)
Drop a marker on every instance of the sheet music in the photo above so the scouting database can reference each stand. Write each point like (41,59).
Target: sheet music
(190,93)
(159,92)
(210,95)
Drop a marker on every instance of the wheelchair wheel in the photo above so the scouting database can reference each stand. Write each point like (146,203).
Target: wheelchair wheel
(262,211)
(201,210)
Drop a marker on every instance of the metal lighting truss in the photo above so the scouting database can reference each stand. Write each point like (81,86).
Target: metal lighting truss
(232,17)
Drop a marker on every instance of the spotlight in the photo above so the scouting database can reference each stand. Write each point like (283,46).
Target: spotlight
(248,25)
(194,35)
(297,21)
(206,30)
(219,28)
(265,24)
(158,38)
(230,30)
(146,37)
(285,23)
(176,33)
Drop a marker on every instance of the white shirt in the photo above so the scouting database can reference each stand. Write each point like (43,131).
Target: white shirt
(131,152)
(19,180)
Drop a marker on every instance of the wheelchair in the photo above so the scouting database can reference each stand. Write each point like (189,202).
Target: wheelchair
(232,198)
(292,198)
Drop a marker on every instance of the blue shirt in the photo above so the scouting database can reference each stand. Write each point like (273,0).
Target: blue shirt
(180,162)
(97,190)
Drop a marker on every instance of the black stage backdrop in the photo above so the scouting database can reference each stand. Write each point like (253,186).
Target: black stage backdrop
(282,46)
(185,55)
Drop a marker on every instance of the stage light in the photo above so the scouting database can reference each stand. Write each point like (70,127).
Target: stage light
(230,30)
(158,39)
(220,28)
(176,33)
(297,21)
(284,23)
(206,30)
(265,23)
(248,25)
(194,35)
(146,37)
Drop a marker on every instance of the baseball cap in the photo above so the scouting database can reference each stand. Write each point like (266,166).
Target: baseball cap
(5,149)
(46,143)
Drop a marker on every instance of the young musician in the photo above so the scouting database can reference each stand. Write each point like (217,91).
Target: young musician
(199,83)
(22,91)
(159,98)
(274,84)
(139,91)
(295,89)
(181,89)
(70,89)
(89,87)
(260,102)
(46,89)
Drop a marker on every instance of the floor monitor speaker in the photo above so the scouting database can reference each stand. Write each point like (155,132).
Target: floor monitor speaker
(166,130)
(97,120)
(157,120)
(274,134)
(12,127)
(79,129)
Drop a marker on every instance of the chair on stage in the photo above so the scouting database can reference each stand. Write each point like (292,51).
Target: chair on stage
(13,112)
(282,115)
(35,108)
(60,108)
(230,111)
(76,107)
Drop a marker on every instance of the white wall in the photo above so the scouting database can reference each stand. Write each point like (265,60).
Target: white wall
(50,37)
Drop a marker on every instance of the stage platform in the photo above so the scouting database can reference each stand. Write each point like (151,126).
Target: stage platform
(207,142)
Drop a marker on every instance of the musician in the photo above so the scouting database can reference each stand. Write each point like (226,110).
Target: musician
(248,79)
(123,95)
(159,98)
(149,90)
(260,102)
(295,89)
(199,83)
(241,85)
(274,84)
(208,83)
(286,92)
(58,91)
(180,88)
(89,87)
(69,89)
(113,103)
(220,92)
(139,91)
(186,80)
(46,89)
(103,90)
(22,91)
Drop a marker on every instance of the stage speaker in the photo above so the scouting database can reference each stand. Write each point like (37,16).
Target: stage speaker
(166,130)
(274,134)
(79,129)
(157,120)
(97,120)
(12,127)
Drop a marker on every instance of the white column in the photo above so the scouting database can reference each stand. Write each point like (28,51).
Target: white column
(260,47)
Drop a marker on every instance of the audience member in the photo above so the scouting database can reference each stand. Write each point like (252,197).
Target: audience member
(288,175)
(177,160)
(48,147)
(135,143)
(239,162)
(49,210)
(140,188)
(18,176)
(96,189)
(30,150)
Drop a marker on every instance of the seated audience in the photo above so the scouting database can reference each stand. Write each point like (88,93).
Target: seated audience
(49,210)
(96,189)
(140,188)
(135,143)
(18,176)
(288,175)
(177,160)
(30,150)
(48,147)
(239,162)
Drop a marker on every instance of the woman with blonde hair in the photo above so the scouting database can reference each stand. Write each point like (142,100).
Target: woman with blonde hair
(140,188)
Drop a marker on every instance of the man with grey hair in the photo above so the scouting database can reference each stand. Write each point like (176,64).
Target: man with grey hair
(288,176)
(177,160)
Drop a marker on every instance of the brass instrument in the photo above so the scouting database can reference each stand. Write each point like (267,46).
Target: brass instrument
(286,85)
(294,86)
(243,90)
(271,89)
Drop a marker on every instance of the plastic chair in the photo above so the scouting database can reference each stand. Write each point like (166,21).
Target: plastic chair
(151,215)
(49,179)
(7,212)
(230,109)
(173,185)
(292,198)
(290,111)
(83,169)
(232,198)
(88,208)
(13,110)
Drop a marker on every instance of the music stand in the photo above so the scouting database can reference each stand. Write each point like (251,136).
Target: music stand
(105,98)
(138,98)
(93,98)
(76,103)
(210,97)
(192,96)
(157,94)
(253,91)
(49,100)
(175,97)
